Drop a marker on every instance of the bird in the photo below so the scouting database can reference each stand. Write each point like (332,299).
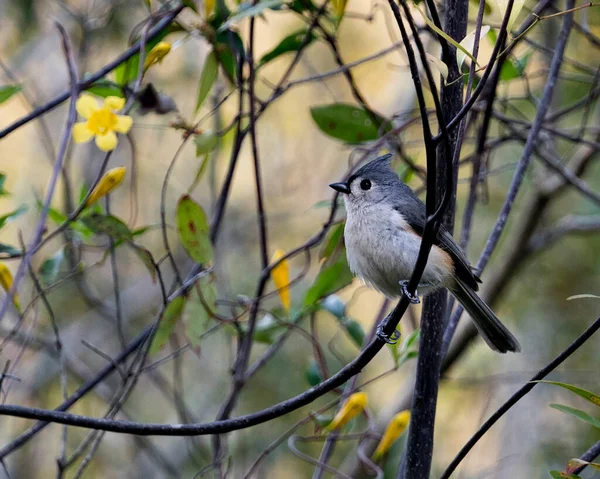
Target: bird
(384,228)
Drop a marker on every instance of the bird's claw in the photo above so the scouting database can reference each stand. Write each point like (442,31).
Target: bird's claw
(412,298)
(393,339)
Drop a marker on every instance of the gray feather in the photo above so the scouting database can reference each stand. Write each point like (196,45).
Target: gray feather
(405,202)
(383,233)
(495,334)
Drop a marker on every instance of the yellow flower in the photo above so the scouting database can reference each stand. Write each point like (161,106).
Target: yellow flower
(209,6)
(102,122)
(156,55)
(339,7)
(6,281)
(393,431)
(353,406)
(281,278)
(109,181)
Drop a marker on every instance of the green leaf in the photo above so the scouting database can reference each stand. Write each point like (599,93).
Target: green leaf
(6,218)
(395,351)
(199,173)
(348,123)
(146,257)
(403,353)
(291,43)
(563,475)
(576,463)
(207,78)
(412,338)
(585,394)
(127,71)
(339,8)
(193,230)
(51,268)
(334,239)
(508,71)
(331,279)
(206,142)
(143,230)
(199,312)
(108,225)
(190,4)
(355,331)
(521,63)
(225,54)
(300,6)
(8,250)
(104,88)
(167,323)
(56,216)
(584,416)
(322,420)
(514,68)
(249,12)
(407,356)
(313,373)
(8,91)
(266,328)
(3,191)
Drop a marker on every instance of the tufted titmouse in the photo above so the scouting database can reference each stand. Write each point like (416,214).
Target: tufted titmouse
(383,233)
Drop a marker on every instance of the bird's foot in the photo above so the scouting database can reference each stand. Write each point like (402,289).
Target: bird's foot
(393,339)
(412,298)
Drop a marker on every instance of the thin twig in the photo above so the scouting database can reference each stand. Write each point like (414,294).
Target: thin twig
(574,346)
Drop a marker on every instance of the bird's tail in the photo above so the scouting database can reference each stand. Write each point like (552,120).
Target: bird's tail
(495,334)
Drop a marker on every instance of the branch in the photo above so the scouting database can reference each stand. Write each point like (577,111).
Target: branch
(567,225)
(56,169)
(587,334)
(131,51)
(532,138)
(589,455)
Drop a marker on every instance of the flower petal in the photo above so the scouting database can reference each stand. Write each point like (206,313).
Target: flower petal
(123,124)
(109,181)
(107,142)
(81,132)
(353,406)
(114,103)
(393,431)
(86,105)
(281,278)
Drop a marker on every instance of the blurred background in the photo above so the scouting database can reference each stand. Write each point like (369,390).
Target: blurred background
(298,161)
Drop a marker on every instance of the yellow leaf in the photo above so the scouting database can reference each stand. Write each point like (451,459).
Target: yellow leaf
(468,44)
(339,8)
(353,406)
(444,35)
(111,179)
(209,6)
(156,55)
(439,65)
(281,277)
(6,281)
(514,13)
(393,431)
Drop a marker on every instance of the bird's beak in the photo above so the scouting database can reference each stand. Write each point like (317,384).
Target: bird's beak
(341,187)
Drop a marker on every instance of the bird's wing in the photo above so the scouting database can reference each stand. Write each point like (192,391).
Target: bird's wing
(414,215)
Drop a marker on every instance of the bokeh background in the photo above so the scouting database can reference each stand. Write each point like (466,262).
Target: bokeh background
(298,162)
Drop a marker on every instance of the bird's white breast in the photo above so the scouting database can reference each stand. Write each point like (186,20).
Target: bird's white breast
(382,249)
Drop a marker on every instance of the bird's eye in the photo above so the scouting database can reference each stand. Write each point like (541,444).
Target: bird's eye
(365,184)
